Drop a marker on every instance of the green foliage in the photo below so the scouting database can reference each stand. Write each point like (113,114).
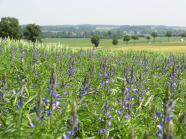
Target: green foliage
(183,35)
(9,27)
(134,37)
(32,33)
(115,41)
(169,34)
(154,35)
(119,90)
(148,38)
(126,38)
(95,40)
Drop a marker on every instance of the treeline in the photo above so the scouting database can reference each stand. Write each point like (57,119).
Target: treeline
(89,34)
(86,34)
(9,27)
(126,29)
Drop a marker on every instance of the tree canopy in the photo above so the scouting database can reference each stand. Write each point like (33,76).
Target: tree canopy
(95,40)
(183,35)
(9,27)
(33,32)
(126,38)
(154,35)
(169,34)
(115,41)
(134,37)
(148,38)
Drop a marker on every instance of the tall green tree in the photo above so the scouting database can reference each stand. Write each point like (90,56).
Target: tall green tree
(183,35)
(95,40)
(148,38)
(115,41)
(126,38)
(9,27)
(32,33)
(134,37)
(169,34)
(154,35)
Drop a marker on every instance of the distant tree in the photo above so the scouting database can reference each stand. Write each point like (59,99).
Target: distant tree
(134,37)
(9,26)
(169,34)
(154,35)
(148,38)
(115,41)
(109,34)
(183,35)
(33,33)
(95,40)
(126,38)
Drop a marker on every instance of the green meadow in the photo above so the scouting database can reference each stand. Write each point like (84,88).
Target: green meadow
(160,44)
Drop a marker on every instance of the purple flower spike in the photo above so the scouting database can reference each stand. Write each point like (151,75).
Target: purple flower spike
(5,110)
(126,116)
(108,123)
(120,111)
(32,125)
(66,136)
(158,113)
(48,112)
(101,119)
(119,101)
(103,130)
(160,126)
(109,116)
(159,134)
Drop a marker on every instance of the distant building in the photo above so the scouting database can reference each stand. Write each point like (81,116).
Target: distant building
(181,40)
(73,34)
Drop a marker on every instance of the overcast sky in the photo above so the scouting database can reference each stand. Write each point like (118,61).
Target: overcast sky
(113,12)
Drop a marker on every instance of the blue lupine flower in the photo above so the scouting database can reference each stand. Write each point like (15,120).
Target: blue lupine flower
(32,125)
(98,94)
(76,129)
(3,100)
(160,126)
(101,119)
(18,105)
(159,134)
(79,95)
(56,95)
(126,116)
(45,99)
(48,112)
(135,90)
(109,116)
(41,117)
(105,75)
(158,113)
(120,111)
(84,93)
(66,136)
(108,123)
(103,130)
(5,110)
(119,101)
(18,77)
(26,80)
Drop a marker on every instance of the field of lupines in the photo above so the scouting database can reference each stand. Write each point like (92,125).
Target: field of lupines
(56,92)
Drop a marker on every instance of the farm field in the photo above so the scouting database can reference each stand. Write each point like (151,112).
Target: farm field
(52,91)
(161,44)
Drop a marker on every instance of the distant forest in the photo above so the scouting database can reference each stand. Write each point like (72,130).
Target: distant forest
(105,31)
